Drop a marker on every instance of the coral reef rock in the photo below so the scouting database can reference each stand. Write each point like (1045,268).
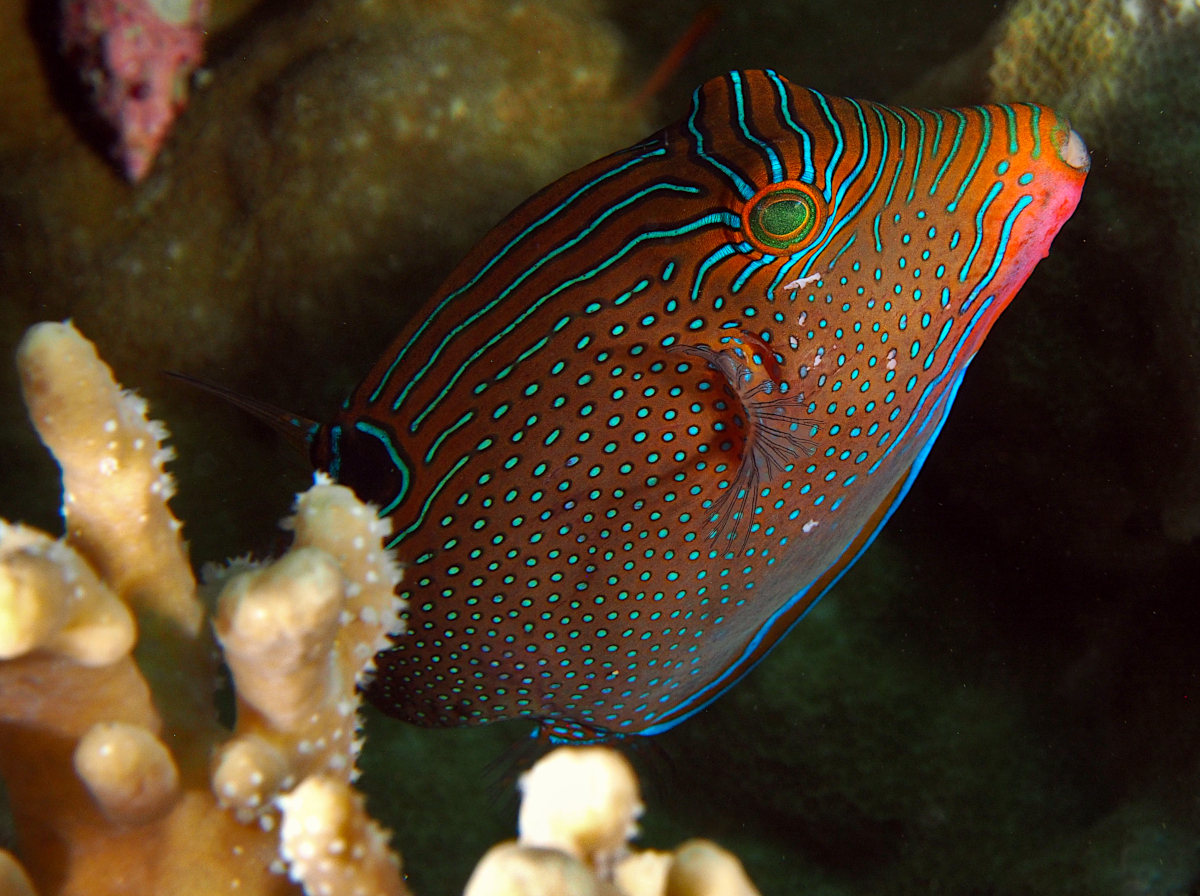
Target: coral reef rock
(120,777)
(579,809)
(338,152)
(341,159)
(1127,72)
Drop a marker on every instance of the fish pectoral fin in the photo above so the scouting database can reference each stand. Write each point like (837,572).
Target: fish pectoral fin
(767,419)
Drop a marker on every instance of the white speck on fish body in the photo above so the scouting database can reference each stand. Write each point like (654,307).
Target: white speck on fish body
(809,526)
(802,282)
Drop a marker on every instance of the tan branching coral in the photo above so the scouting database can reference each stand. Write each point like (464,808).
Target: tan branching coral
(579,809)
(120,777)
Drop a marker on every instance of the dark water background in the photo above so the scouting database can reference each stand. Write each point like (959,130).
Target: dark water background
(1000,698)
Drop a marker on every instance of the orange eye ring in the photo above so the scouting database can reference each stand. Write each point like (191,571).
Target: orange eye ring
(783,217)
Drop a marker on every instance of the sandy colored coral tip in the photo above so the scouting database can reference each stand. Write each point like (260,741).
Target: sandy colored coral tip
(331,844)
(73,399)
(295,599)
(582,800)
(128,771)
(277,625)
(115,489)
(13,881)
(33,599)
(701,868)
(249,773)
(50,599)
(643,873)
(332,517)
(510,869)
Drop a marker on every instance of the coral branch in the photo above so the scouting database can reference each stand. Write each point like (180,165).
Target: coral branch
(276,625)
(114,486)
(333,846)
(110,797)
(583,802)
(579,807)
(299,636)
(115,493)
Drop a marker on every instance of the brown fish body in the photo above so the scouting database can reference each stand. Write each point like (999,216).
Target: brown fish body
(662,406)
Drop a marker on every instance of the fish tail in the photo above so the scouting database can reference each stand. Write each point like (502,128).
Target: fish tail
(298,431)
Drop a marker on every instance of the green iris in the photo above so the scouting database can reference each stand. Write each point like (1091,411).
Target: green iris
(784,218)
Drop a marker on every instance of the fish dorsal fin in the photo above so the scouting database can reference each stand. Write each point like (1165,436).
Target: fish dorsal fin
(772,431)
(297,430)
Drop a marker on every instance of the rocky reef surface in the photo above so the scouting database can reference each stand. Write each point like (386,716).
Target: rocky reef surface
(999,698)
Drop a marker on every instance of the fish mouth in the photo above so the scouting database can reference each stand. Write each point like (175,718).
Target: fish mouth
(1075,152)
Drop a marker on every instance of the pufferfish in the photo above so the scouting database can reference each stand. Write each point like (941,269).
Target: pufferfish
(658,411)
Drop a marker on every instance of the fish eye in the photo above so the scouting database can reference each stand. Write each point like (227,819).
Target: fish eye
(784,218)
(781,217)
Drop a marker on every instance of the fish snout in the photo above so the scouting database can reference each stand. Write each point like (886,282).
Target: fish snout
(1073,150)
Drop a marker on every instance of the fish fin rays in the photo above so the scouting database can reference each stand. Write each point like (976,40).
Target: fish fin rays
(773,434)
(297,430)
